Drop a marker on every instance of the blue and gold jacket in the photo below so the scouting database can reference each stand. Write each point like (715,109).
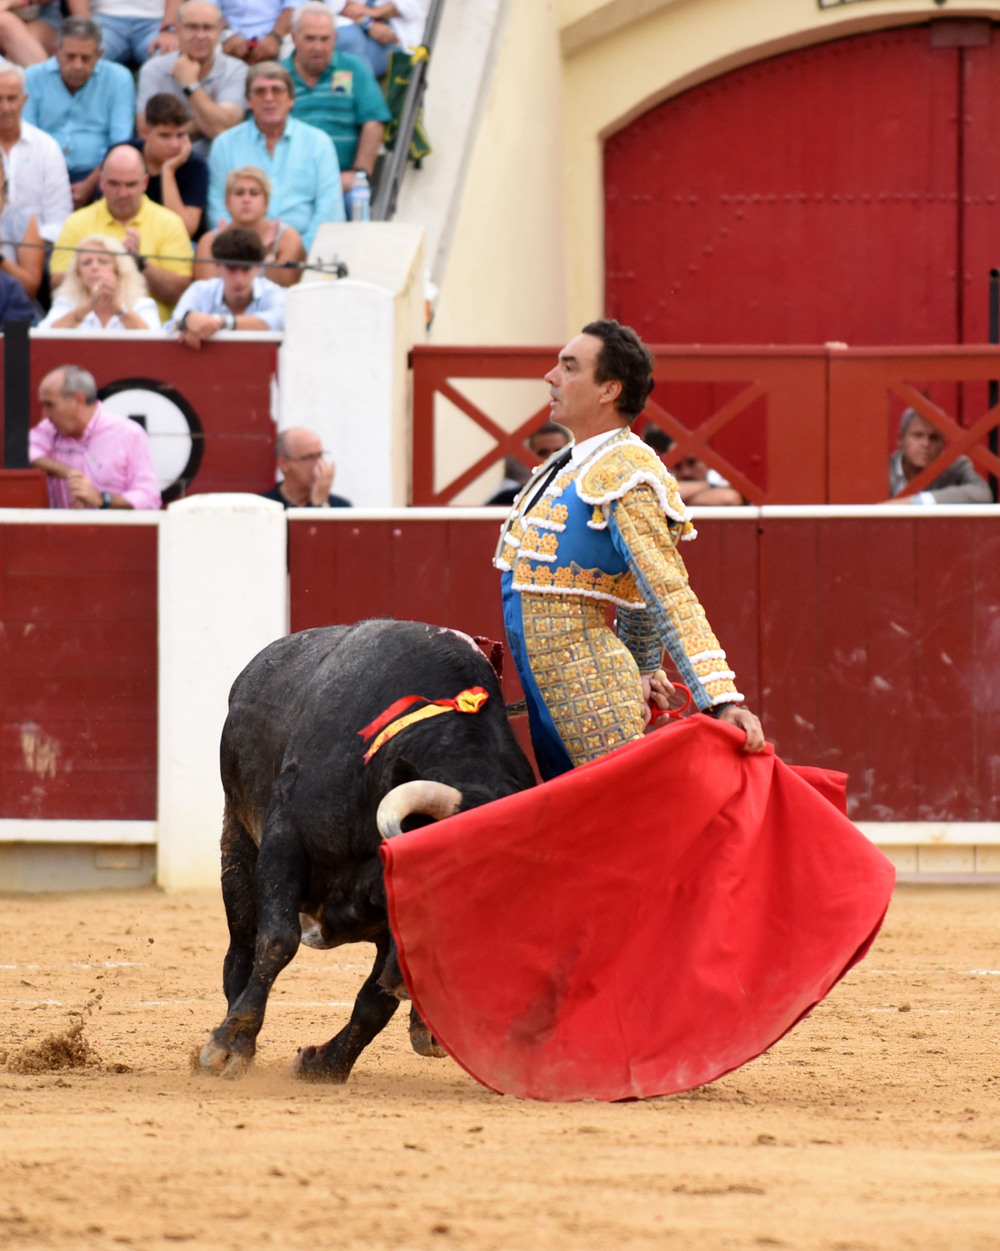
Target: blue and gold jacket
(608,529)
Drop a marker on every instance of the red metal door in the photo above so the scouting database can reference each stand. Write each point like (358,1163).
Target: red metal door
(809,197)
(845,192)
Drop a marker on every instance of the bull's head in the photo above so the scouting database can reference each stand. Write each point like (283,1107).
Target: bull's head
(416,798)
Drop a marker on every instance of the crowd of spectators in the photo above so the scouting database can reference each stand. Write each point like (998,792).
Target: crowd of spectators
(135,133)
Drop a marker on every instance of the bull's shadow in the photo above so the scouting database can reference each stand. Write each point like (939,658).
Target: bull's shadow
(323,754)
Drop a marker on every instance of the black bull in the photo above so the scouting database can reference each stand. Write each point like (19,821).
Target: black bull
(299,837)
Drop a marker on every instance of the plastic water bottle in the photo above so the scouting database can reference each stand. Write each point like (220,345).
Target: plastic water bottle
(361,198)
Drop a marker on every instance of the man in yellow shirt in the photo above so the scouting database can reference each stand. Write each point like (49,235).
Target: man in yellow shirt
(156,237)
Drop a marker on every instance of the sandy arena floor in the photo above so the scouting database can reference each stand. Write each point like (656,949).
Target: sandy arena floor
(875,1124)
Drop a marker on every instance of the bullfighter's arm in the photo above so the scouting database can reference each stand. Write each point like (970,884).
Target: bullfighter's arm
(673,618)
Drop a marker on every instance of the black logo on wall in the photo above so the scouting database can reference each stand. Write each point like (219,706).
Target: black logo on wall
(176,436)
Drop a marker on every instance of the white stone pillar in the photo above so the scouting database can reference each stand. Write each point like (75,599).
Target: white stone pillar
(223,595)
(344,361)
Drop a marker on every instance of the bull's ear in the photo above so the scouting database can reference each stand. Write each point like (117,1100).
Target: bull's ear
(403,771)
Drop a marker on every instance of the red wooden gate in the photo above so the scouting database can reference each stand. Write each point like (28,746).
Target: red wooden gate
(845,192)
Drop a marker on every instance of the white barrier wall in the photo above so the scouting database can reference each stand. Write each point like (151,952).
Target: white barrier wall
(223,595)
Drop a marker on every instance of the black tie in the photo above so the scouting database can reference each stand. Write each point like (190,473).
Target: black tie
(557,463)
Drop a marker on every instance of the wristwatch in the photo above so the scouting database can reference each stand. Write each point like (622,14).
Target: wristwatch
(140,263)
(105,499)
(190,88)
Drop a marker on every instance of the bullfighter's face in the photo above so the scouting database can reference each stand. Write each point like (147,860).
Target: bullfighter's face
(579,402)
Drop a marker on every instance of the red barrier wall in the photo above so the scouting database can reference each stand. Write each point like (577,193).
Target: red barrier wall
(869,644)
(226,385)
(78,671)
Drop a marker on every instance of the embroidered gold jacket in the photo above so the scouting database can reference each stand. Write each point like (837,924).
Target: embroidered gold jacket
(608,529)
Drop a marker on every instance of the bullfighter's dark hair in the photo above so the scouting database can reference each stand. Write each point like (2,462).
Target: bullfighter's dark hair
(623,358)
(238,247)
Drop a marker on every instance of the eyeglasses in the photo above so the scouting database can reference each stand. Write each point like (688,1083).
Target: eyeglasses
(196,28)
(308,456)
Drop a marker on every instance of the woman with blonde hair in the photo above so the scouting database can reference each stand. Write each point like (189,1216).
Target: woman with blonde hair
(102,290)
(248,192)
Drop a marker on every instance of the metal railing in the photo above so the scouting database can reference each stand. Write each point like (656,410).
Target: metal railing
(391,178)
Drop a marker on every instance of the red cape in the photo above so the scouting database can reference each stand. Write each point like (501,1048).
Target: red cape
(638,926)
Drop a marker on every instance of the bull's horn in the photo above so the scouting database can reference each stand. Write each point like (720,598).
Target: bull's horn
(430,799)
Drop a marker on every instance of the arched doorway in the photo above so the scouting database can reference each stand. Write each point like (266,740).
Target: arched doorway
(834,193)
(848,191)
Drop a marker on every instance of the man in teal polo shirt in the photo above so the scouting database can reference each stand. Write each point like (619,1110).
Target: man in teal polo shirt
(336,92)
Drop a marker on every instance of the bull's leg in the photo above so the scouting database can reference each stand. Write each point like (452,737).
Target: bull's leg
(239,862)
(422,1040)
(373,1009)
(282,878)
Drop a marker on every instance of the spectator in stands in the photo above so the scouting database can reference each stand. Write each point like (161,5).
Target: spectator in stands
(128,28)
(85,103)
(14,302)
(543,442)
(248,191)
(336,92)
(696,482)
(374,29)
(199,72)
(37,181)
(919,444)
(22,252)
(103,290)
(154,235)
(241,299)
(548,439)
(306,474)
(94,458)
(253,31)
(28,31)
(300,160)
(178,177)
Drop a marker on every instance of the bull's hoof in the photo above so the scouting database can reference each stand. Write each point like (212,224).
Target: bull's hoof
(223,1060)
(424,1043)
(312,1064)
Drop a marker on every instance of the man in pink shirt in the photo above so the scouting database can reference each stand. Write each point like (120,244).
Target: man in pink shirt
(94,458)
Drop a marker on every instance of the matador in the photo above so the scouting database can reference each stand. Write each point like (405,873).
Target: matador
(600,527)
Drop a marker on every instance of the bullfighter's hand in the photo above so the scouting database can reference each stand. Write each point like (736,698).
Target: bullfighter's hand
(83,493)
(745,720)
(322,481)
(658,688)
